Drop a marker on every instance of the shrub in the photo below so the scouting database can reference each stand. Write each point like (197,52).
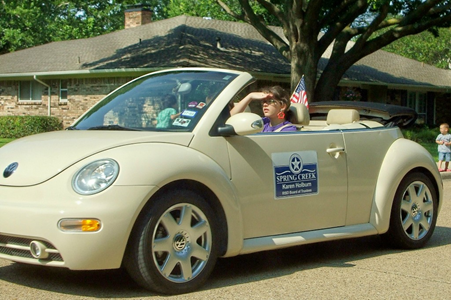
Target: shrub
(421,134)
(20,126)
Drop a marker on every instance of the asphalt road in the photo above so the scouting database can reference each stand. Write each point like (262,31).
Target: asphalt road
(350,269)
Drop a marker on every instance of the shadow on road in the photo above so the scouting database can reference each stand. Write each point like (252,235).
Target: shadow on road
(228,271)
(340,254)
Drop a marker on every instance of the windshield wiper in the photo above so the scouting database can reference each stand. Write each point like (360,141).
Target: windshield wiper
(71,128)
(111,127)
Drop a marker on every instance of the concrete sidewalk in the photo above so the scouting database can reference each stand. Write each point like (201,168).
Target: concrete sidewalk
(445,175)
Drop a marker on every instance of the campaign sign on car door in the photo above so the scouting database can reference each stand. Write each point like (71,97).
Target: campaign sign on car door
(295,174)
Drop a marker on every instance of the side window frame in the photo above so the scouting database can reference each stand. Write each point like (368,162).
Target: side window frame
(418,101)
(63,94)
(34,93)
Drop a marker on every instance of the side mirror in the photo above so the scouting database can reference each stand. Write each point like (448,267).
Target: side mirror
(242,124)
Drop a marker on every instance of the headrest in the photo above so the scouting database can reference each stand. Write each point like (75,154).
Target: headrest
(342,116)
(301,113)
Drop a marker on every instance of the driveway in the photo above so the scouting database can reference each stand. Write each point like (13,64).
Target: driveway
(351,269)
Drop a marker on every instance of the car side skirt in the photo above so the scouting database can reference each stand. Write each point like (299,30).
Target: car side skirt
(309,237)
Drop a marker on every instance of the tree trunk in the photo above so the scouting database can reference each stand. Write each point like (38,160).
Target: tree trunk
(327,83)
(304,63)
(332,74)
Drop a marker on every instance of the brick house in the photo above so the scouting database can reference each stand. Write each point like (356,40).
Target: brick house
(66,78)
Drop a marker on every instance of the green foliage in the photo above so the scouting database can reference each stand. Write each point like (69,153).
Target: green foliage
(30,23)
(20,126)
(425,47)
(197,8)
(313,27)
(421,134)
(211,9)
(309,27)
(424,136)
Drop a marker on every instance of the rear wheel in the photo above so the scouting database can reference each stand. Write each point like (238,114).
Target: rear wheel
(173,246)
(414,212)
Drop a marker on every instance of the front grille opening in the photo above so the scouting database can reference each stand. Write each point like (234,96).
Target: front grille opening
(19,247)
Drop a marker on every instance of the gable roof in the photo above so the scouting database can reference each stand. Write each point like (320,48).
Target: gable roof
(186,41)
(176,42)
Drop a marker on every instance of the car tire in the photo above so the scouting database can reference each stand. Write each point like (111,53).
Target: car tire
(174,245)
(414,212)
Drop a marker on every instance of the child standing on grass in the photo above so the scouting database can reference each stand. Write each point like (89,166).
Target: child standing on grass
(444,150)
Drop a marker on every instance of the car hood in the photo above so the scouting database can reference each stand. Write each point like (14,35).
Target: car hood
(42,156)
(386,114)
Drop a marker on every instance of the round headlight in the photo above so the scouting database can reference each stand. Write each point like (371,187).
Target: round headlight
(95,177)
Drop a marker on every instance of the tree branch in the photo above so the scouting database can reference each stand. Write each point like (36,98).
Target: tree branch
(373,26)
(420,11)
(439,10)
(297,8)
(342,24)
(272,37)
(311,12)
(231,12)
(390,36)
(274,10)
(334,13)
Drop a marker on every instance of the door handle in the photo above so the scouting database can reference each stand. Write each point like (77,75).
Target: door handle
(335,150)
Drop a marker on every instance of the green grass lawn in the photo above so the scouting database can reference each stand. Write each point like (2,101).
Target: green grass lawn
(4,141)
(432,148)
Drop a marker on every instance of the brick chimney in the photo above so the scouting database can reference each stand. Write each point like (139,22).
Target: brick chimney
(137,15)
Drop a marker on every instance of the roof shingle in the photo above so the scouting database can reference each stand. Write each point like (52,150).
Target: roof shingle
(191,41)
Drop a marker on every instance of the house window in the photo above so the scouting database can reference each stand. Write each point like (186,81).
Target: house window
(417,101)
(30,91)
(63,90)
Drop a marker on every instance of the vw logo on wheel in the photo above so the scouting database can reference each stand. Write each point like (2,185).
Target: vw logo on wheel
(9,170)
(179,242)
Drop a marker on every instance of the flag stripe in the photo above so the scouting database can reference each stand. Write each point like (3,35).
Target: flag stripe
(300,93)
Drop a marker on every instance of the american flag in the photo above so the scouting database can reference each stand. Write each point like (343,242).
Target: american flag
(300,93)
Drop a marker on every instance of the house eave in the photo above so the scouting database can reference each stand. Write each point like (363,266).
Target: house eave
(79,73)
(135,72)
(396,86)
(354,83)
(271,76)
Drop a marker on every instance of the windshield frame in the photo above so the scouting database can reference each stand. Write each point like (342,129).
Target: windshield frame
(194,88)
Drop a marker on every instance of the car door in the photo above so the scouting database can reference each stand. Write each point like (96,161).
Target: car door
(289,182)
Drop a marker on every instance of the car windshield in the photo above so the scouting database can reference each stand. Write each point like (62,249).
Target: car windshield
(170,101)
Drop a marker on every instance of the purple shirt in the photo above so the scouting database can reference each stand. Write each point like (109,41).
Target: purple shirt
(268,128)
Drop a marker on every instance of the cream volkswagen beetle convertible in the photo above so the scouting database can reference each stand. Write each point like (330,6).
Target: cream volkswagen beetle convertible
(118,191)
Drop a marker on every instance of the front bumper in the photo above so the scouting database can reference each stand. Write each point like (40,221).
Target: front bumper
(32,214)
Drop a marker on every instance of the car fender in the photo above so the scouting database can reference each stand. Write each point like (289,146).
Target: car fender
(167,163)
(402,157)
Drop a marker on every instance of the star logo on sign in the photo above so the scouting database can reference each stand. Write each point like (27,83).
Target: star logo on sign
(295,163)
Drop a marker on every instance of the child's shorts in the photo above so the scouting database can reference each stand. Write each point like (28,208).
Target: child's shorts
(444,156)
